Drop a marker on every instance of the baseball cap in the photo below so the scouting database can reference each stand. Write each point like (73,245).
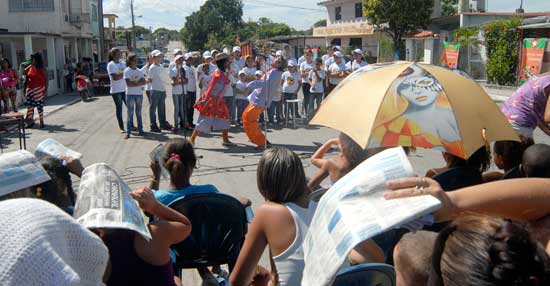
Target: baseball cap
(242,72)
(207,55)
(177,51)
(358,51)
(236,49)
(338,54)
(292,63)
(338,48)
(259,72)
(156,53)
(214,52)
(178,57)
(187,56)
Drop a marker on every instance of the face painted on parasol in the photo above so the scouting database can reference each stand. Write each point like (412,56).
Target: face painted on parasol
(420,90)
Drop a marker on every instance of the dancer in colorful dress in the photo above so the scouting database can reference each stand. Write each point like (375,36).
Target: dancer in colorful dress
(264,91)
(36,81)
(214,114)
(9,77)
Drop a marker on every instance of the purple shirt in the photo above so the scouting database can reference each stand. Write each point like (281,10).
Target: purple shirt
(525,108)
(265,89)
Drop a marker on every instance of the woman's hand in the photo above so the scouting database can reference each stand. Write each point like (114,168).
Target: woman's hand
(420,186)
(145,199)
(155,168)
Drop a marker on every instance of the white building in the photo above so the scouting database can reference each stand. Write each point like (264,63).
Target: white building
(59,29)
(347,27)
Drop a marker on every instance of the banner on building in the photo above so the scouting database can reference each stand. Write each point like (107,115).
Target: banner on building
(315,53)
(246,50)
(532,53)
(450,55)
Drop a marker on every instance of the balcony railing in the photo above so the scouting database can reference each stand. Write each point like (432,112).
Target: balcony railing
(79,18)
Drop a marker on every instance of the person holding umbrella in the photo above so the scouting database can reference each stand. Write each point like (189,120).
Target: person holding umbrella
(529,107)
(214,114)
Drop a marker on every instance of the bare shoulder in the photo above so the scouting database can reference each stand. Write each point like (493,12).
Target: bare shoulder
(270,214)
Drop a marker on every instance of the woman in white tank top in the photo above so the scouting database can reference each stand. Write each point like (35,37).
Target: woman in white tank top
(281,223)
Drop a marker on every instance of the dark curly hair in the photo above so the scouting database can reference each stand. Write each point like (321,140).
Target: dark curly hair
(482,250)
(480,160)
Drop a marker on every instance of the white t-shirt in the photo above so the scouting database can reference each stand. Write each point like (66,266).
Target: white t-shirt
(333,68)
(353,65)
(156,75)
(291,80)
(191,78)
(240,62)
(116,68)
(250,72)
(204,79)
(241,90)
(328,62)
(305,67)
(145,71)
(175,72)
(135,76)
(318,83)
(234,70)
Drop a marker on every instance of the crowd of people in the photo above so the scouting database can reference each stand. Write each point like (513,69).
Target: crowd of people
(226,89)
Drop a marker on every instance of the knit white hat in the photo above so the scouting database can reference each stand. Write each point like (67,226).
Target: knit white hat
(42,245)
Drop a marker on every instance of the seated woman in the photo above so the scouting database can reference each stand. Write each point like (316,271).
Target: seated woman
(507,156)
(180,160)
(350,156)
(480,160)
(42,245)
(281,223)
(59,190)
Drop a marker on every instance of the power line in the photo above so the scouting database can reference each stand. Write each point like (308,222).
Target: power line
(276,5)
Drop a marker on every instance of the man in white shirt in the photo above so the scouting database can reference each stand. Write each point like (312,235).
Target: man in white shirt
(357,63)
(115,68)
(336,71)
(238,59)
(191,95)
(302,59)
(158,94)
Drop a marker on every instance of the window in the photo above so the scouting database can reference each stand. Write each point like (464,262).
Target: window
(94,13)
(356,43)
(336,42)
(359,10)
(31,5)
(337,13)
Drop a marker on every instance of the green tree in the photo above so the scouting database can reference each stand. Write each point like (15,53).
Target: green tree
(448,7)
(213,22)
(320,23)
(502,40)
(398,17)
(142,32)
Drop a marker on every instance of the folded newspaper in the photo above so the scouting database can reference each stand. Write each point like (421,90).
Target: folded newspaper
(55,149)
(354,210)
(104,201)
(19,170)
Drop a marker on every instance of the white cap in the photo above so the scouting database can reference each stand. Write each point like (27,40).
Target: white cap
(156,53)
(358,51)
(236,49)
(338,54)
(187,56)
(279,53)
(242,72)
(292,63)
(259,72)
(214,51)
(207,55)
(177,51)
(337,48)
(226,50)
(178,57)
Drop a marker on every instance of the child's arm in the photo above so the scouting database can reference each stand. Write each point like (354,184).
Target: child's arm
(317,158)
(315,182)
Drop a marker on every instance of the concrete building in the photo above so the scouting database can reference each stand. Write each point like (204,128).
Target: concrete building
(59,29)
(347,27)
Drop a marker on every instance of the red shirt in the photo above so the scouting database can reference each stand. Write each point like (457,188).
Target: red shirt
(35,78)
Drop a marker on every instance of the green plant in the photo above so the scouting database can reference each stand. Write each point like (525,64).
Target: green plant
(502,41)
(466,36)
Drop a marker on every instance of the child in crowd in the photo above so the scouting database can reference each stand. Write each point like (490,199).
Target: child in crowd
(250,69)
(281,223)
(241,96)
(81,83)
(179,79)
(507,156)
(536,161)
(135,80)
(316,77)
(259,74)
(291,83)
(204,78)
(479,160)
(180,161)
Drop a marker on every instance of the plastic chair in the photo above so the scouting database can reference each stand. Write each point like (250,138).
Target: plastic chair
(219,228)
(459,177)
(514,173)
(370,274)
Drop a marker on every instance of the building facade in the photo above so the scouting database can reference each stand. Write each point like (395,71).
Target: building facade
(348,28)
(61,30)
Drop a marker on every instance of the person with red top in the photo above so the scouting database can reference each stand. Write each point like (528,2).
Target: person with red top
(81,84)
(214,114)
(36,81)
(9,78)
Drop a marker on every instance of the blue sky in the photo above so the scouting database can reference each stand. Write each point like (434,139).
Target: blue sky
(171,13)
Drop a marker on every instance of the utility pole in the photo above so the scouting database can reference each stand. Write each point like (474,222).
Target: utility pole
(133,27)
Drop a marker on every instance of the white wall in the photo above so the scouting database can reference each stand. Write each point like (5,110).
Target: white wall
(348,11)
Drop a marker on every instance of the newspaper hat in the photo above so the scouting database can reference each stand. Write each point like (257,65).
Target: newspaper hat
(50,147)
(156,53)
(20,170)
(358,51)
(104,201)
(177,51)
(338,54)
(178,57)
(236,49)
(207,55)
